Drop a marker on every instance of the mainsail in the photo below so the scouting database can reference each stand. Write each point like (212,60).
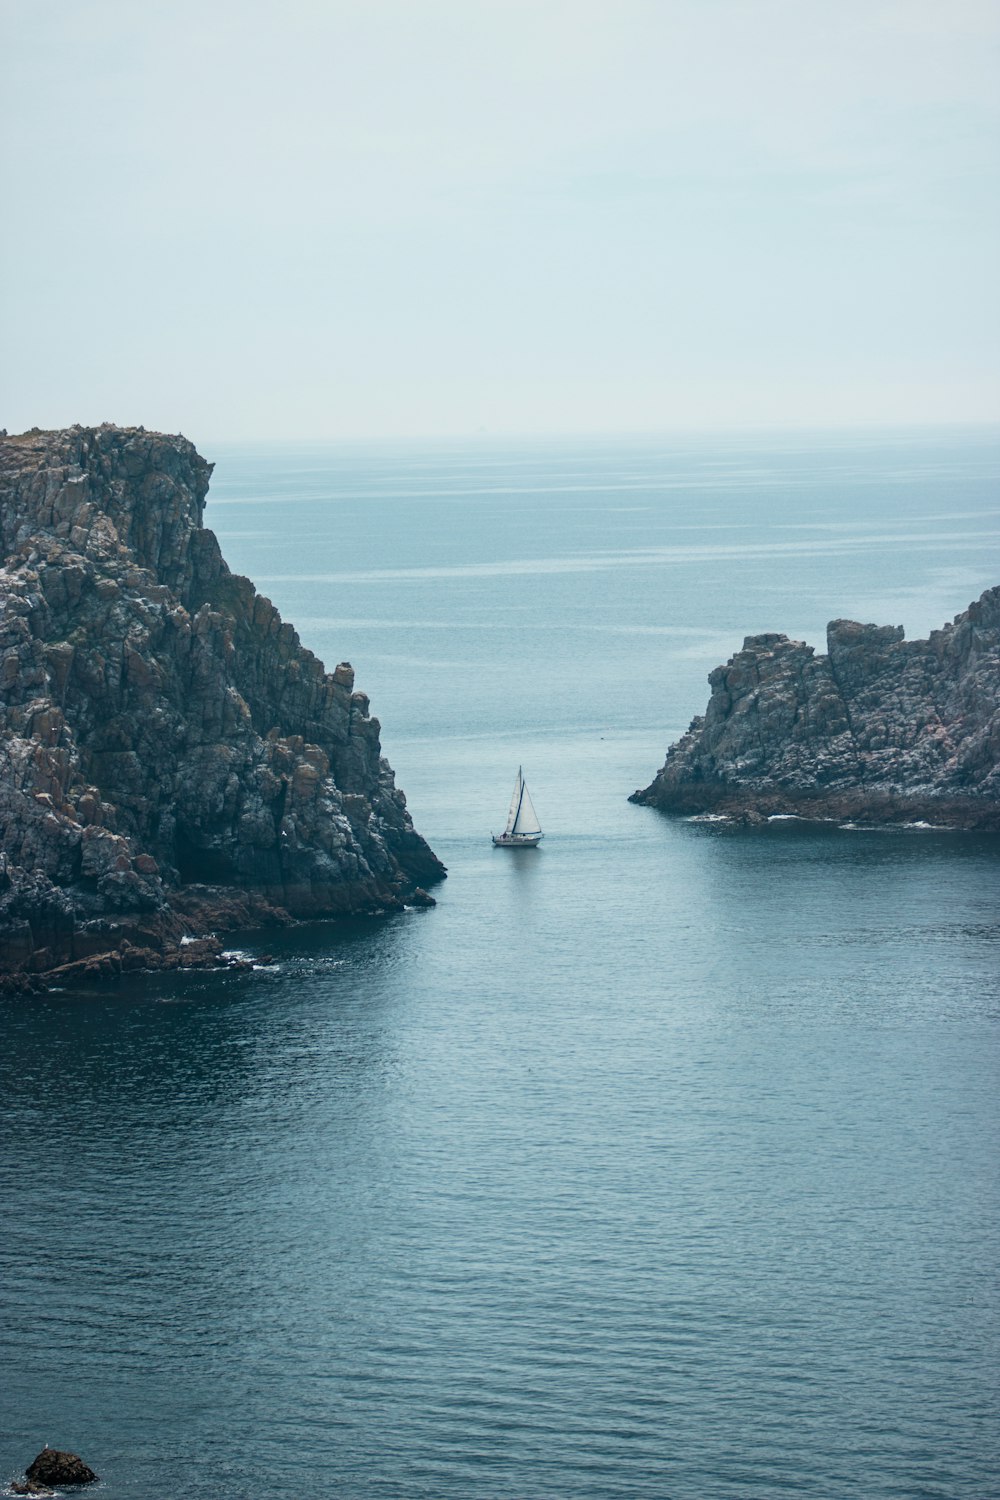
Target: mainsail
(515,802)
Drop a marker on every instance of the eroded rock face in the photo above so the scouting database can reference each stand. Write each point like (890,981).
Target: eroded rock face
(167,746)
(879,728)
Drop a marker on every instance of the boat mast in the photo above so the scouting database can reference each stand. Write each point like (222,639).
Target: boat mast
(520,783)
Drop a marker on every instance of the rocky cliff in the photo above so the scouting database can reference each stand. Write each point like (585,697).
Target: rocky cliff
(880,728)
(171,758)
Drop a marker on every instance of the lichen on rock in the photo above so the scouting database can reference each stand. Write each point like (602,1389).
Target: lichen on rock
(171,757)
(881,728)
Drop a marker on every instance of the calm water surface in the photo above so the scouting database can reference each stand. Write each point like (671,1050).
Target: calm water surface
(658,1163)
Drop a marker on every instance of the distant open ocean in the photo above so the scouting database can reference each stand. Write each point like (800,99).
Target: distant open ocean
(660,1162)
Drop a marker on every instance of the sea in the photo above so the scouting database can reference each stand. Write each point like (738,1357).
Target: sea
(660,1161)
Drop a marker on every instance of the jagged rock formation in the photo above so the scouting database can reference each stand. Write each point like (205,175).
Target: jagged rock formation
(879,728)
(171,758)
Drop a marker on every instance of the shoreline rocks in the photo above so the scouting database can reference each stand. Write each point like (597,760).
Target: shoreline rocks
(173,762)
(879,729)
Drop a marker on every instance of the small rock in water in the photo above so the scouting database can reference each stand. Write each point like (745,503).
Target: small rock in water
(29,1487)
(53,1467)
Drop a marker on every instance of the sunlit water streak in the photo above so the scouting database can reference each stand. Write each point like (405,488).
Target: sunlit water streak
(659,1162)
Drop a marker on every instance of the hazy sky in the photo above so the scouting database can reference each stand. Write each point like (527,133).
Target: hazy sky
(318,218)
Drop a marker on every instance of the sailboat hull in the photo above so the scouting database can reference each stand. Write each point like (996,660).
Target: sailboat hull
(517,840)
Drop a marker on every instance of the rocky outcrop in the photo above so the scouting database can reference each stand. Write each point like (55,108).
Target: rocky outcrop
(172,759)
(55,1467)
(880,728)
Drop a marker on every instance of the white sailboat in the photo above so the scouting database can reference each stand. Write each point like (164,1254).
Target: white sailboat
(523,829)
